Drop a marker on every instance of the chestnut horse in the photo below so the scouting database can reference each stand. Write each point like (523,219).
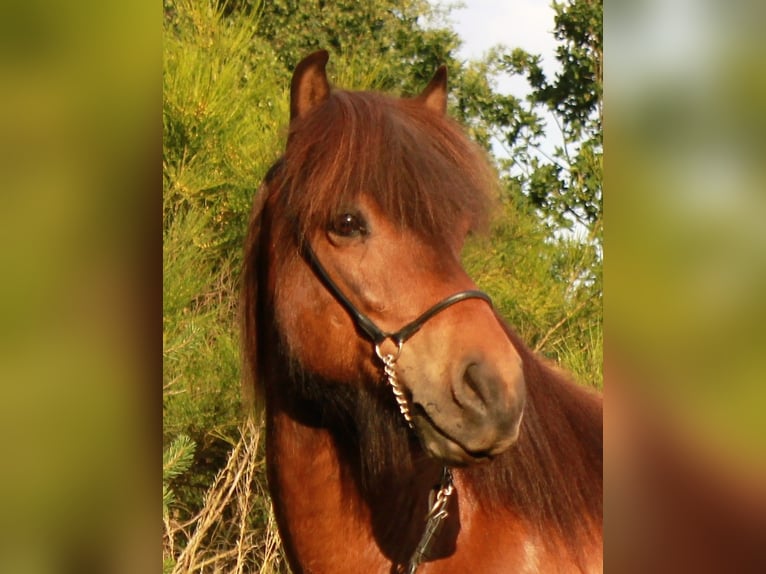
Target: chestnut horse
(408,428)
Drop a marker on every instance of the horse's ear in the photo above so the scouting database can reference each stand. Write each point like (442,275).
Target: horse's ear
(309,87)
(434,97)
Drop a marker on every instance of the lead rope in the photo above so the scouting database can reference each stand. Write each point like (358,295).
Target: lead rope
(437,513)
(438,499)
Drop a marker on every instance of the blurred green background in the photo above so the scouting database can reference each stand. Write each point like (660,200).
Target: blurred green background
(685,278)
(686,198)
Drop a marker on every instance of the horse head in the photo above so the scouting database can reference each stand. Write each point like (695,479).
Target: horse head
(364,220)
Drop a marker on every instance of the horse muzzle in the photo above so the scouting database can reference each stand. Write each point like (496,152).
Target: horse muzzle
(477,417)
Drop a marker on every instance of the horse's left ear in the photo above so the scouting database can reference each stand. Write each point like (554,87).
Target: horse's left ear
(309,86)
(434,97)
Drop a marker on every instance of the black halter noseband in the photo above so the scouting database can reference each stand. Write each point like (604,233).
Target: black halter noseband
(365,324)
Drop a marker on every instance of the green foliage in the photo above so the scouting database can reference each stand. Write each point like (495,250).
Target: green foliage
(492,117)
(200,340)
(547,289)
(577,91)
(223,109)
(582,354)
(391,37)
(176,460)
(224,104)
(565,184)
(200,348)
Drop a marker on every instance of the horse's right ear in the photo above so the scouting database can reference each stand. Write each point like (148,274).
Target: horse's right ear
(309,87)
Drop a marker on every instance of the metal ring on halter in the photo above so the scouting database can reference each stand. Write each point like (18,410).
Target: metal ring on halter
(392,358)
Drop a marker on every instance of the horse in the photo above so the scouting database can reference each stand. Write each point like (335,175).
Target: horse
(408,428)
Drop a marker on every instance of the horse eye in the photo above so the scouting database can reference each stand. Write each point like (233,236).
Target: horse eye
(348,225)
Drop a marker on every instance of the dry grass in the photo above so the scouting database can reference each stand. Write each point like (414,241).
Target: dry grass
(235,531)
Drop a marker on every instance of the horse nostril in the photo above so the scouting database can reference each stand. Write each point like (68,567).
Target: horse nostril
(473,390)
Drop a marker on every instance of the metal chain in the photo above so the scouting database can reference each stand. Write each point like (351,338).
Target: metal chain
(389,361)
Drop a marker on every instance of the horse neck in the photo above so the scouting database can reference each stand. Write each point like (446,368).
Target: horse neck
(324,510)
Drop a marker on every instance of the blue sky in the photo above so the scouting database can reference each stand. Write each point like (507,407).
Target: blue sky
(523,24)
(526,24)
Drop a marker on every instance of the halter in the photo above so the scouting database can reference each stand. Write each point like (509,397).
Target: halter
(366,325)
(439,496)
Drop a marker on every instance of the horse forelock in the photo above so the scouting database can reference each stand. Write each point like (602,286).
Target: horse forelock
(416,165)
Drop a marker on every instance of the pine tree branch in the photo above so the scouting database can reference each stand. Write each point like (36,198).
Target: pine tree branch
(541,343)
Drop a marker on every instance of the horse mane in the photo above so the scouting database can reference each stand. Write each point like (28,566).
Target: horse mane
(423,172)
(553,474)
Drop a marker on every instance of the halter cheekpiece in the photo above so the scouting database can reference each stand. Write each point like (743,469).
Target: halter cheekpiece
(439,496)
